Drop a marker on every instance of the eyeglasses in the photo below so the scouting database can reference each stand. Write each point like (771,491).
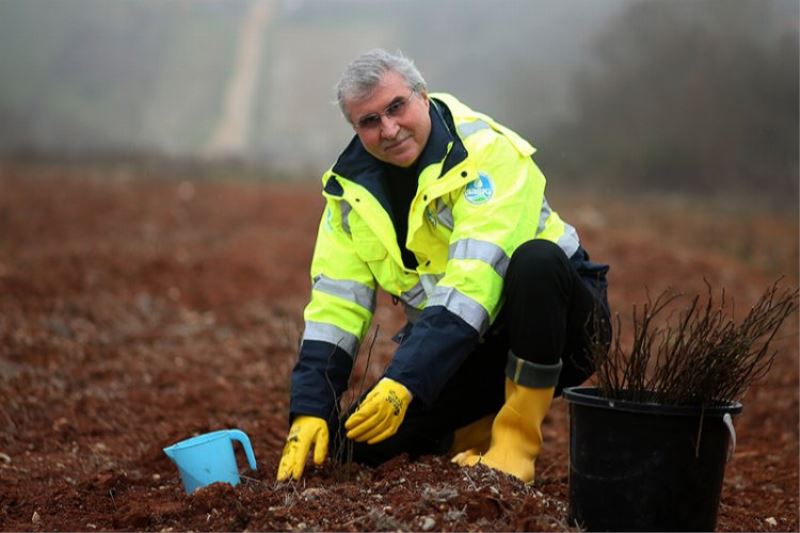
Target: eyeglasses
(395,109)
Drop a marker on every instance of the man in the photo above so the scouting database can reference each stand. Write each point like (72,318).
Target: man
(444,209)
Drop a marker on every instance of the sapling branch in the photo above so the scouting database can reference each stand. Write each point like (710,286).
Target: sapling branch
(343,447)
(704,357)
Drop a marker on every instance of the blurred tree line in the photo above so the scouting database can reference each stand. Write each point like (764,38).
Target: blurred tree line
(687,99)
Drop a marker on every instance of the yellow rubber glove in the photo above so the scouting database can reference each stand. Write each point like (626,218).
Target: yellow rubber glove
(305,431)
(380,414)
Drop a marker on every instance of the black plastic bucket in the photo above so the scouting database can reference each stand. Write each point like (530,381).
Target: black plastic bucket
(639,467)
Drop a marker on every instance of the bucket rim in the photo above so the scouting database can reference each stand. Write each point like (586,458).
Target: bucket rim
(590,396)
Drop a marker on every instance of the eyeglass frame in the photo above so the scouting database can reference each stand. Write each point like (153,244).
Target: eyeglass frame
(387,112)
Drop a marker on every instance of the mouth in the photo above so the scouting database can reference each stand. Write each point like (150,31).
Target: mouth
(397,144)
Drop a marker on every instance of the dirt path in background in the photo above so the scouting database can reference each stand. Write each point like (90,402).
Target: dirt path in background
(231,135)
(136,313)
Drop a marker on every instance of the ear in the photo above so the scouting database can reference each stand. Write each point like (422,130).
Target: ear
(346,114)
(425,98)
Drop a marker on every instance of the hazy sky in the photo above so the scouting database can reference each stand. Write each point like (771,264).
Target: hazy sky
(254,78)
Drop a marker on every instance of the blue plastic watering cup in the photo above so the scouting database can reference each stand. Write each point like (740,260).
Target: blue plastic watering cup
(209,458)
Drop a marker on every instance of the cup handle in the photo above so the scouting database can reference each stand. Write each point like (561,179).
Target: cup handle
(242,437)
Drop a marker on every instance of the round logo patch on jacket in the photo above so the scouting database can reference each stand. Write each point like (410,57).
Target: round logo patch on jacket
(479,190)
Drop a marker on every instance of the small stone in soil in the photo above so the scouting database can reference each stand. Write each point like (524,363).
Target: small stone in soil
(313,493)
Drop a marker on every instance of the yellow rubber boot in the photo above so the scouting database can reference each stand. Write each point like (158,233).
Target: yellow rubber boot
(475,437)
(516,432)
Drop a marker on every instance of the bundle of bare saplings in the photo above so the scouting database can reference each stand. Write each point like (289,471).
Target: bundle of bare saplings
(649,444)
(702,358)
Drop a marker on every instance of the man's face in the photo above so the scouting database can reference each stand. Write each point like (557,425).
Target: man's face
(393,122)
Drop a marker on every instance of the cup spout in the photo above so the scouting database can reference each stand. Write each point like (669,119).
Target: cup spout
(170,453)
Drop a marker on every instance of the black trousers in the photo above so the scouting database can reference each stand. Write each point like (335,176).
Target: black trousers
(553,305)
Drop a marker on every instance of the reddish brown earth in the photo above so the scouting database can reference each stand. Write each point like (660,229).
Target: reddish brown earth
(136,311)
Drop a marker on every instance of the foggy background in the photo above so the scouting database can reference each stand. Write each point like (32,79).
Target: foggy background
(697,96)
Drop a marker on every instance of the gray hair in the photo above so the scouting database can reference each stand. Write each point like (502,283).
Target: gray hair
(365,72)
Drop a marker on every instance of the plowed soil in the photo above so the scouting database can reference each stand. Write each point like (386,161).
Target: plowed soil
(137,310)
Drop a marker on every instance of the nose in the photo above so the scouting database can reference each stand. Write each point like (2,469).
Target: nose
(389,127)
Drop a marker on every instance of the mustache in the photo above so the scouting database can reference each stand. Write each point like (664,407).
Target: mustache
(397,140)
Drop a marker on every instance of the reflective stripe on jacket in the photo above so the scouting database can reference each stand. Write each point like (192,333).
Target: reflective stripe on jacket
(479,196)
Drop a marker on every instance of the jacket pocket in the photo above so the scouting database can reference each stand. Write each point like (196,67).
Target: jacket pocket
(370,249)
(367,244)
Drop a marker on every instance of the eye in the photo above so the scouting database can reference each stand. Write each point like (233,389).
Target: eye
(396,107)
(370,121)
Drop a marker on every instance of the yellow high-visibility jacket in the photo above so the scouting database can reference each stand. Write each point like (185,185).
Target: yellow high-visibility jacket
(479,196)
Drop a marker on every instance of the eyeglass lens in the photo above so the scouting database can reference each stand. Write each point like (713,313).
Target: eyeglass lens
(394,109)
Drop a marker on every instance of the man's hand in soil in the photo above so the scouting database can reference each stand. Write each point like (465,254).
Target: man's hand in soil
(305,431)
(380,414)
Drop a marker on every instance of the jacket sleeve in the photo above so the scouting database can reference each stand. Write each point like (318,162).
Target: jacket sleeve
(492,216)
(336,318)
